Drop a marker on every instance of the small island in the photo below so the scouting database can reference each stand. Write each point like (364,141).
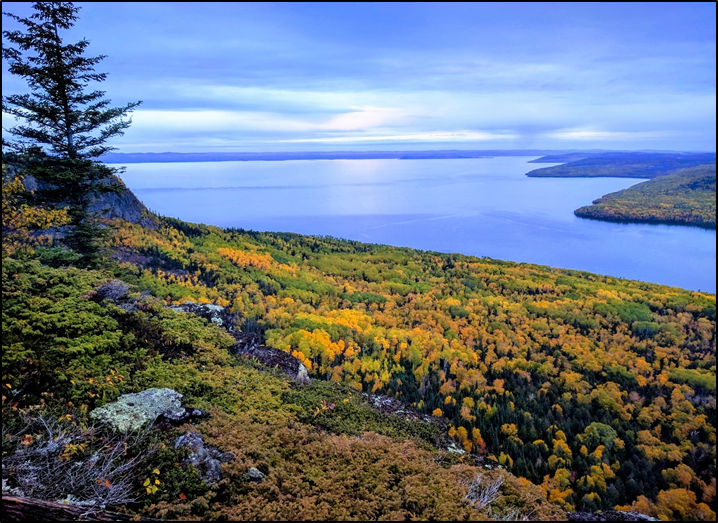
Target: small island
(687,197)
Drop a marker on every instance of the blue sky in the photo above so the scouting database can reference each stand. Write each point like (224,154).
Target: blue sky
(288,77)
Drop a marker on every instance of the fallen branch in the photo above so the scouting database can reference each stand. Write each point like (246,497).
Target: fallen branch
(28,509)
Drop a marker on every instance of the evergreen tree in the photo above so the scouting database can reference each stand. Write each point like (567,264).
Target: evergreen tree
(62,125)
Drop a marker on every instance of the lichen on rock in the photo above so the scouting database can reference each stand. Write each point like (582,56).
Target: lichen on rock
(134,411)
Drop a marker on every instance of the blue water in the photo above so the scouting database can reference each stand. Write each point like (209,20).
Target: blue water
(484,207)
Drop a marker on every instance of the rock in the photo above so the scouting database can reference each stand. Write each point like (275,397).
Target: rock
(453,447)
(302,374)
(246,342)
(216,314)
(134,411)
(192,440)
(254,474)
(249,345)
(207,460)
(112,205)
(112,290)
(123,205)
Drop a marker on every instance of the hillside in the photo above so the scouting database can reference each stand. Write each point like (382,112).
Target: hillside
(584,384)
(261,445)
(622,164)
(687,197)
(599,391)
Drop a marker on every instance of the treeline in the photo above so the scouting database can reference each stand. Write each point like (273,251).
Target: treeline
(687,197)
(600,390)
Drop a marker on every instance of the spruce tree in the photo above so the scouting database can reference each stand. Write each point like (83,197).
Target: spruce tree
(62,124)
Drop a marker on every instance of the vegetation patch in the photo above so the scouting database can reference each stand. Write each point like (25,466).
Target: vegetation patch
(686,197)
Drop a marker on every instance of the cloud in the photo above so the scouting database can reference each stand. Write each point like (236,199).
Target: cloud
(237,75)
(356,119)
(459,136)
(592,135)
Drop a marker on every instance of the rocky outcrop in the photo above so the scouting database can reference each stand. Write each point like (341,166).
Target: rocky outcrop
(207,460)
(220,316)
(389,406)
(135,411)
(123,204)
(255,475)
(249,345)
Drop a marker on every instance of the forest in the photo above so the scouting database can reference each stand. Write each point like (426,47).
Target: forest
(600,390)
(75,339)
(686,197)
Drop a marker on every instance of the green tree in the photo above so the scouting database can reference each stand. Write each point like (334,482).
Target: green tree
(62,125)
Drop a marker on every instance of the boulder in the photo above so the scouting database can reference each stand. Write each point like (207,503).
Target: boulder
(134,411)
(113,290)
(207,460)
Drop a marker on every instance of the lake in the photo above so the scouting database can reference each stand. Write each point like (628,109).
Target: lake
(483,207)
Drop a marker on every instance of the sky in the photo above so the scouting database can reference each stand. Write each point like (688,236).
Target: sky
(404,76)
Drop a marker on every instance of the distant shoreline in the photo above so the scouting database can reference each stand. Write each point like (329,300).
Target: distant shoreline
(338,155)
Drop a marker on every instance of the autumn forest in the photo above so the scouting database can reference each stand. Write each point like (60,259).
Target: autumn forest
(601,390)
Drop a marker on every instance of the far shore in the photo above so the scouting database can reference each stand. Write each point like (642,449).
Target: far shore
(168,157)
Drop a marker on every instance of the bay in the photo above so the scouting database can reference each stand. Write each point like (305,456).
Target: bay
(482,207)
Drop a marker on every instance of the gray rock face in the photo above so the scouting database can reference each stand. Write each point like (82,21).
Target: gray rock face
(302,374)
(207,460)
(134,411)
(123,205)
(112,290)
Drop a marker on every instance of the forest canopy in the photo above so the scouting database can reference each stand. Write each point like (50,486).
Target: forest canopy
(596,388)
(686,197)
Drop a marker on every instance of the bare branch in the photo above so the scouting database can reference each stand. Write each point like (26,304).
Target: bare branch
(482,493)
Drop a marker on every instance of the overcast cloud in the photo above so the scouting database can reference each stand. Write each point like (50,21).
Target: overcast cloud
(254,77)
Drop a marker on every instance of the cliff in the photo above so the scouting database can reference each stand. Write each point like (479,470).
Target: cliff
(123,205)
